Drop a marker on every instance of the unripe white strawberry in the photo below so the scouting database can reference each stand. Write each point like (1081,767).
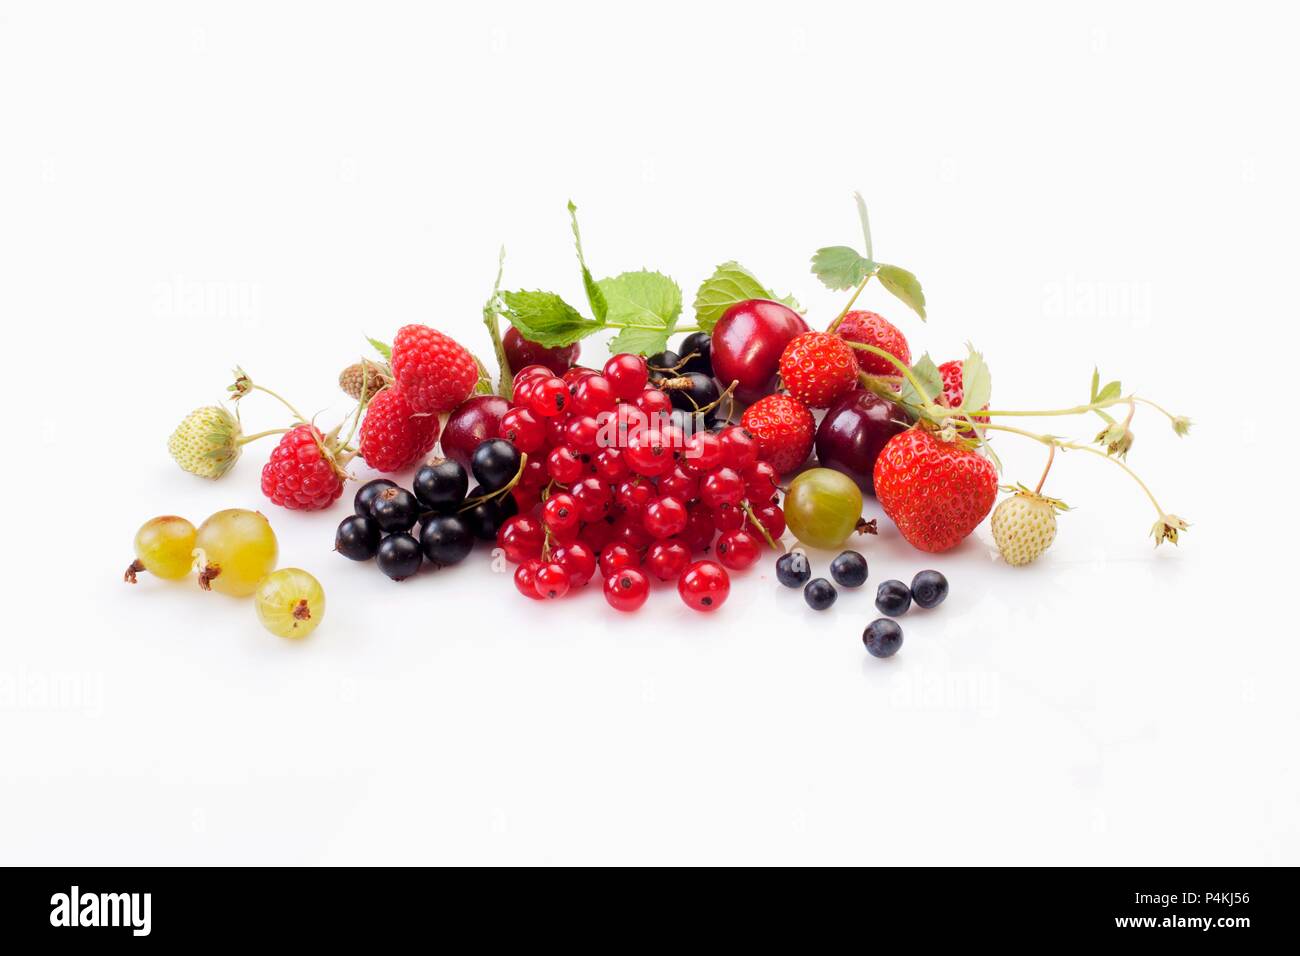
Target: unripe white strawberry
(1024,526)
(206,443)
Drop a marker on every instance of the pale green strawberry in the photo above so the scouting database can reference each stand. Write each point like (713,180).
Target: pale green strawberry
(206,443)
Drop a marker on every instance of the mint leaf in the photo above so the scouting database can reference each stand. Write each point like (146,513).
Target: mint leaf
(931,380)
(545,318)
(639,341)
(976,382)
(904,285)
(595,296)
(730,283)
(840,267)
(383,348)
(644,299)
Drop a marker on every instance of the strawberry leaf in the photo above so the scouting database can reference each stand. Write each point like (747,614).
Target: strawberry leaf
(904,285)
(976,382)
(840,267)
(930,378)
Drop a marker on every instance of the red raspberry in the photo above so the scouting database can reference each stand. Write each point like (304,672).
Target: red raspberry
(302,474)
(872,329)
(783,428)
(393,435)
(431,369)
(952,388)
(818,368)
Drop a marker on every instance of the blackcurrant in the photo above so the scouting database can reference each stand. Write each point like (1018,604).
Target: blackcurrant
(703,390)
(849,569)
(440,485)
(929,588)
(663,363)
(358,537)
(446,539)
(486,517)
(820,594)
(883,637)
(697,349)
(495,462)
(893,598)
(793,569)
(366,494)
(395,509)
(399,556)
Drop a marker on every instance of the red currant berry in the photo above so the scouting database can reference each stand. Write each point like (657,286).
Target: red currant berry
(595,501)
(564,465)
(561,517)
(536,474)
(722,487)
(634,494)
(628,530)
(581,432)
(551,581)
(528,373)
(700,527)
(666,560)
(738,549)
(679,484)
(526,579)
(592,395)
(520,537)
(772,518)
(739,450)
(610,465)
(555,426)
(704,586)
(615,557)
(578,560)
(627,589)
(547,397)
(597,534)
(627,375)
(648,453)
(760,483)
(664,517)
(653,403)
(522,429)
(729,517)
(702,452)
(575,374)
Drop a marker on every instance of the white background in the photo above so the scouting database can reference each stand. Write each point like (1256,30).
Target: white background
(184,190)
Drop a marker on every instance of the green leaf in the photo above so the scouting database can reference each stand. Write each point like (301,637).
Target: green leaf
(840,267)
(639,341)
(648,300)
(931,380)
(545,318)
(976,382)
(1112,390)
(1096,380)
(595,296)
(383,348)
(904,285)
(730,283)
(484,384)
(866,222)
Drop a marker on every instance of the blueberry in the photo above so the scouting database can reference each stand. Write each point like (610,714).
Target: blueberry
(495,462)
(929,588)
(793,569)
(486,517)
(440,484)
(399,556)
(820,594)
(446,539)
(366,494)
(358,537)
(697,349)
(883,637)
(395,509)
(893,598)
(849,569)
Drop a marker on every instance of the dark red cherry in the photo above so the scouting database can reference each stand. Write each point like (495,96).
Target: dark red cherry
(473,422)
(854,431)
(521,352)
(747,345)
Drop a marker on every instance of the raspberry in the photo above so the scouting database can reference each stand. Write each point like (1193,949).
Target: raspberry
(371,375)
(952,388)
(783,428)
(301,474)
(431,369)
(393,435)
(818,368)
(872,329)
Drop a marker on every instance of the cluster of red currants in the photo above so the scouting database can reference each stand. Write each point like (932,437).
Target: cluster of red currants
(614,479)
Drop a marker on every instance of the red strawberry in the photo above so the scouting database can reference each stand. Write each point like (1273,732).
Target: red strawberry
(431,370)
(872,329)
(952,387)
(393,435)
(937,492)
(302,473)
(818,368)
(783,428)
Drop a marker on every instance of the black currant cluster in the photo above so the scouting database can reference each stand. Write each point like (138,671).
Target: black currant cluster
(687,376)
(882,637)
(449,515)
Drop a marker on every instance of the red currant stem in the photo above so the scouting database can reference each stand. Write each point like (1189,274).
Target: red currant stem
(472,502)
(726,393)
(1051,456)
(546,542)
(835,323)
(506,381)
(1052,441)
(760,527)
(270,431)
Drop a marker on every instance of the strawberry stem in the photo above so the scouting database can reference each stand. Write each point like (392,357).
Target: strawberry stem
(1051,456)
(835,323)
(270,431)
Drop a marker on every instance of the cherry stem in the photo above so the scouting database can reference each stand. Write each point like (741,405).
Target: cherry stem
(474,502)
(1051,455)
